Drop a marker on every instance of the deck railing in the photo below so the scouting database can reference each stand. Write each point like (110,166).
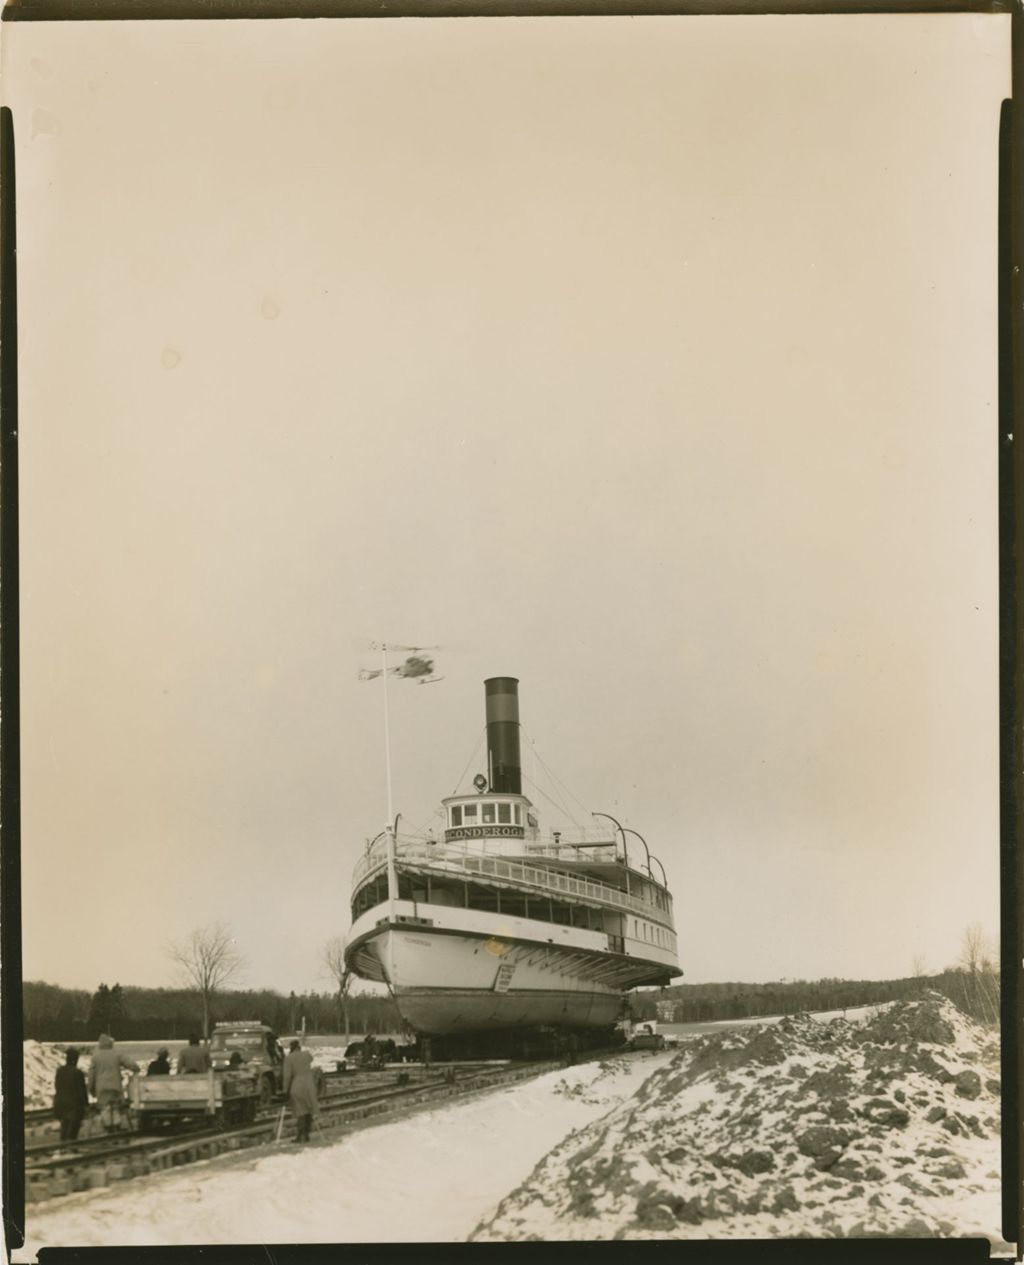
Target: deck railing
(440,856)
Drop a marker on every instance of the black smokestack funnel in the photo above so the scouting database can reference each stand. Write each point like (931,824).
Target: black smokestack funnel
(502,699)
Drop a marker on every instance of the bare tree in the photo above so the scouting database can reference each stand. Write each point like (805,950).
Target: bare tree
(334,960)
(208,962)
(970,949)
(978,958)
(918,967)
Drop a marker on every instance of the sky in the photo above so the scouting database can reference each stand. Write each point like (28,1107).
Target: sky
(651,361)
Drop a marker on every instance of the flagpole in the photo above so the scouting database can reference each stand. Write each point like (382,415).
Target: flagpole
(390,827)
(387,730)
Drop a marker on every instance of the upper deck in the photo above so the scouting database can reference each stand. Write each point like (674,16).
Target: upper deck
(586,866)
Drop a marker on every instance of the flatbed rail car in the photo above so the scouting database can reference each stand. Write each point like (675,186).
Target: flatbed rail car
(163,1102)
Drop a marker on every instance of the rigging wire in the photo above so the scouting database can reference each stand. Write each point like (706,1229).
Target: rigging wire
(555,778)
(470,760)
(568,792)
(436,816)
(554,803)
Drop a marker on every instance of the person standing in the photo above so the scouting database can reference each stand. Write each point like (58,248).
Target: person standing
(300,1086)
(194,1057)
(105,1081)
(70,1098)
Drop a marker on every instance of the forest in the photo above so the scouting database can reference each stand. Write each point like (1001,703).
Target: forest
(128,1013)
(52,1013)
(975,992)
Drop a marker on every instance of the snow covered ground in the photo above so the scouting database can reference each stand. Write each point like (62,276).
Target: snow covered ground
(888,1127)
(448,1166)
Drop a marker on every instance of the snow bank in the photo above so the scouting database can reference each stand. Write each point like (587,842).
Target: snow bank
(887,1127)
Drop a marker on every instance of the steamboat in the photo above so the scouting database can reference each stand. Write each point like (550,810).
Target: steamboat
(496,927)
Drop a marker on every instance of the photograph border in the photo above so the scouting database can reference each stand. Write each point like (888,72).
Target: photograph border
(1010,230)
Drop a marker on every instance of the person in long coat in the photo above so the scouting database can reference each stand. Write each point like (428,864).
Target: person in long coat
(300,1086)
(193,1058)
(105,1083)
(70,1098)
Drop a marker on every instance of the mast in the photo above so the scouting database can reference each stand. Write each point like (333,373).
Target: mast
(389,827)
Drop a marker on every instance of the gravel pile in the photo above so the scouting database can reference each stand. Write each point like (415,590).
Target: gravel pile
(802,1129)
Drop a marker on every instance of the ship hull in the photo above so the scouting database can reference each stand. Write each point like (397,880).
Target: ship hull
(449,1011)
(458,983)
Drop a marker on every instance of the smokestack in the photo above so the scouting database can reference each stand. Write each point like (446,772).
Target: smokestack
(501,695)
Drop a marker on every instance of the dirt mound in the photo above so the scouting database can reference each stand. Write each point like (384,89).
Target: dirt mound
(824,1129)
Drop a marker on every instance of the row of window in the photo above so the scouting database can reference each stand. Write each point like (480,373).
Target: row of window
(489,899)
(488,814)
(468,895)
(652,894)
(653,934)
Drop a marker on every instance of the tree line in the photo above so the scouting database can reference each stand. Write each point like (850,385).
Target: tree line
(53,1013)
(129,1013)
(208,960)
(696,1003)
(972,984)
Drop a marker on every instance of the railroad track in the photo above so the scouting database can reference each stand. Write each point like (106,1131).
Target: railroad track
(39,1121)
(55,1169)
(54,1152)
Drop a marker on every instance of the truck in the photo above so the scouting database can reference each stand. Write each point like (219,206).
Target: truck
(258,1049)
(157,1103)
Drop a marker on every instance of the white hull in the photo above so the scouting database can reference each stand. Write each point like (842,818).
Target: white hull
(460,981)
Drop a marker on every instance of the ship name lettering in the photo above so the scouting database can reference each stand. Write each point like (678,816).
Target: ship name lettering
(484,832)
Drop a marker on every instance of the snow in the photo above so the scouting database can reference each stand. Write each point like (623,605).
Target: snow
(802,1128)
(447,1166)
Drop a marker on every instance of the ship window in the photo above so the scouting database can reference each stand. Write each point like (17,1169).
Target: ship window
(457,815)
(517,815)
(505,812)
(487,812)
(513,903)
(482,897)
(561,914)
(469,810)
(442,893)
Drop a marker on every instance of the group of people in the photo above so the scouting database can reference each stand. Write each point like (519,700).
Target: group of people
(72,1091)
